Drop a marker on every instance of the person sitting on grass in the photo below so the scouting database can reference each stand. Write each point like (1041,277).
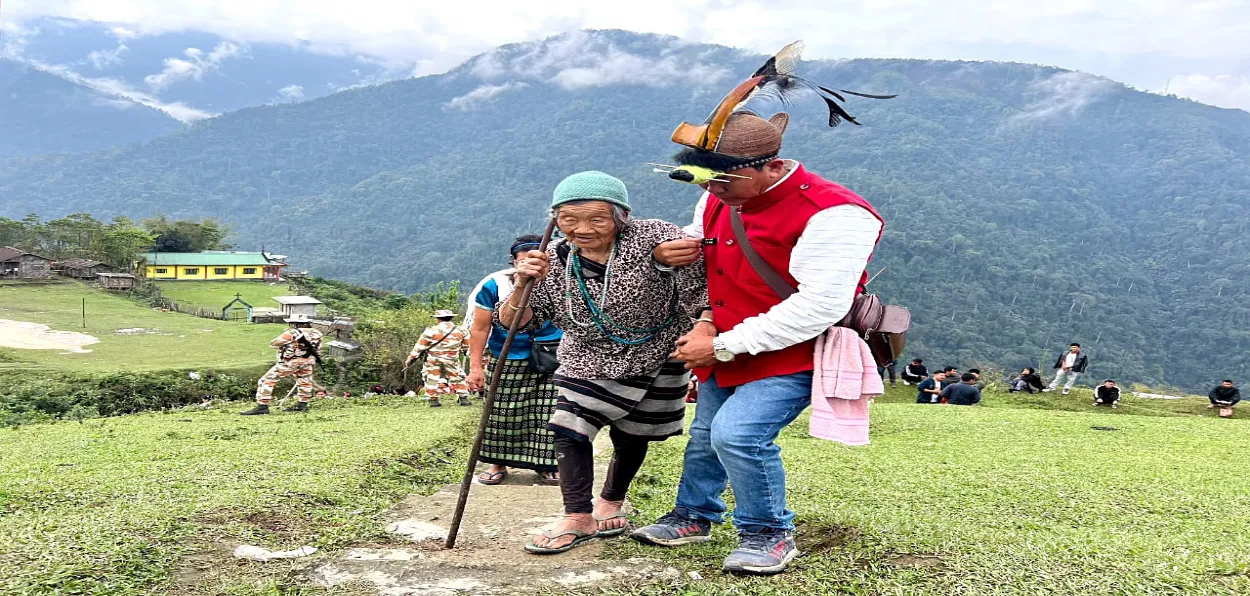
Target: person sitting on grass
(980,384)
(1107,394)
(963,393)
(1225,396)
(1027,381)
(915,372)
(930,389)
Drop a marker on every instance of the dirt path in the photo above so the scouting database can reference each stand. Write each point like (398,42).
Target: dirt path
(488,558)
(34,336)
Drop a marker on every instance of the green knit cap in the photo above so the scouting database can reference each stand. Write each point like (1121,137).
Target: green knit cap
(591,186)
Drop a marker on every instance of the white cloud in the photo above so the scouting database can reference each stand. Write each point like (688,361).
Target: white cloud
(1142,42)
(1064,93)
(481,95)
(291,93)
(582,59)
(13,39)
(111,86)
(194,67)
(102,59)
(445,33)
(1222,90)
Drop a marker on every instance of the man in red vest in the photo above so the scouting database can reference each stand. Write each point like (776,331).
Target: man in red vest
(753,349)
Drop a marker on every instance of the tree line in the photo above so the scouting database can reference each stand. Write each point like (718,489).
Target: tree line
(118,242)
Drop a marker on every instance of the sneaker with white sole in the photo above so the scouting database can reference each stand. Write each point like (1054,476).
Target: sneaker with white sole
(1067,391)
(762,554)
(674,529)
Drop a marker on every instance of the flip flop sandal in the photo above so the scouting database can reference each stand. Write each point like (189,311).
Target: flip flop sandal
(579,538)
(613,531)
(550,478)
(492,478)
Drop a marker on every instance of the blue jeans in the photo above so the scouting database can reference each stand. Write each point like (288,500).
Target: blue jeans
(733,438)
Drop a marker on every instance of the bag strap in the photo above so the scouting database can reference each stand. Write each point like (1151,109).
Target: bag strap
(440,340)
(762,268)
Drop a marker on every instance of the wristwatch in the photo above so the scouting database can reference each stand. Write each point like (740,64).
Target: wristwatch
(722,354)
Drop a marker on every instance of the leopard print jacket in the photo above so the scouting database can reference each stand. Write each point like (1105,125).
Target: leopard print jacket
(640,296)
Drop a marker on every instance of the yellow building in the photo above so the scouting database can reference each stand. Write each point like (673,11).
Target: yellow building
(212,265)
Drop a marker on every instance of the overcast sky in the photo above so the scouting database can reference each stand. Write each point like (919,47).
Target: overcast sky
(1194,48)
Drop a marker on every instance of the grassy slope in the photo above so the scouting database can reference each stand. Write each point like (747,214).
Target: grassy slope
(182,341)
(216,294)
(108,505)
(1000,500)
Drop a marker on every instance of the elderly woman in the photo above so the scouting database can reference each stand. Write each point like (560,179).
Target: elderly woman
(621,315)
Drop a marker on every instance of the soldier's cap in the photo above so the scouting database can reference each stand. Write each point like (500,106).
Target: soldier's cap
(298,318)
(444,314)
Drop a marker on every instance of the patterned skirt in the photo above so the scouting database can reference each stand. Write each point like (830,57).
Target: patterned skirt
(652,407)
(516,435)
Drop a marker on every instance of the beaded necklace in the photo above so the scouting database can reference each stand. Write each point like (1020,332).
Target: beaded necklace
(598,317)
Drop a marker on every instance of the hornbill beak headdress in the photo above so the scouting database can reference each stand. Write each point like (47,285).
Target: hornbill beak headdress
(733,137)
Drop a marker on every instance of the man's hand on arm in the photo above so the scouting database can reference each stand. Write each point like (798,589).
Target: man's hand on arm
(696,350)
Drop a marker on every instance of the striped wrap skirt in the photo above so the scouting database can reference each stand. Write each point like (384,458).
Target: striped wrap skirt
(651,406)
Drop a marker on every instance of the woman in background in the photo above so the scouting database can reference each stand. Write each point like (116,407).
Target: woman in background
(516,435)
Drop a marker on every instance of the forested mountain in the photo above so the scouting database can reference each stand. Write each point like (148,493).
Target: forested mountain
(41,112)
(1026,206)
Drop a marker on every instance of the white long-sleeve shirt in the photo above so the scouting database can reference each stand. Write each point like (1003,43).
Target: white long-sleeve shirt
(827,261)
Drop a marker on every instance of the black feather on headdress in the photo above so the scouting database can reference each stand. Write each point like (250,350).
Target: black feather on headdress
(778,81)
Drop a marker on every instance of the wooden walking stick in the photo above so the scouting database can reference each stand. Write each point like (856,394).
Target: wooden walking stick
(527,287)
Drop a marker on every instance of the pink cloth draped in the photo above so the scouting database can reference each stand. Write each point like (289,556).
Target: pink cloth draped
(844,377)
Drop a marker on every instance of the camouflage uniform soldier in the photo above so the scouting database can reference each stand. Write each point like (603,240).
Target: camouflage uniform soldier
(442,344)
(299,350)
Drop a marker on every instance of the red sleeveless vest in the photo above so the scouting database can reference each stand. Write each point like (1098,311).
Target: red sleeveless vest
(774,222)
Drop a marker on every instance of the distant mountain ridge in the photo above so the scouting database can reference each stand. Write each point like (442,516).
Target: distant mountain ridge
(44,113)
(189,75)
(1026,206)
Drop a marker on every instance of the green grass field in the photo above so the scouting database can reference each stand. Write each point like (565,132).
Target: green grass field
(1026,495)
(216,294)
(154,503)
(1004,499)
(169,340)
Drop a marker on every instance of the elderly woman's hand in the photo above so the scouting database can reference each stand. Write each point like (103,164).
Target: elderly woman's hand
(533,264)
(678,253)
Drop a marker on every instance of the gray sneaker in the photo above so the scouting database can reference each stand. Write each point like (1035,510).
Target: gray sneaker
(674,529)
(762,554)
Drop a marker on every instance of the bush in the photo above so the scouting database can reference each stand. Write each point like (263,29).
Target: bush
(31,397)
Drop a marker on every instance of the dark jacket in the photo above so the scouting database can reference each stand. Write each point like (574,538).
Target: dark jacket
(1107,395)
(916,370)
(1082,361)
(961,394)
(1034,381)
(1225,396)
(927,398)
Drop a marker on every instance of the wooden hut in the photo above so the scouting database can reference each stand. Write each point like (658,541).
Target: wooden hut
(116,281)
(298,305)
(19,264)
(82,268)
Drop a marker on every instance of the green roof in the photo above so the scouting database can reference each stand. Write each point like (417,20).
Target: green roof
(205,259)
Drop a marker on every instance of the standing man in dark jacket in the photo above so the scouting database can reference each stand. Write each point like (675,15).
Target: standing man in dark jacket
(963,393)
(1070,365)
